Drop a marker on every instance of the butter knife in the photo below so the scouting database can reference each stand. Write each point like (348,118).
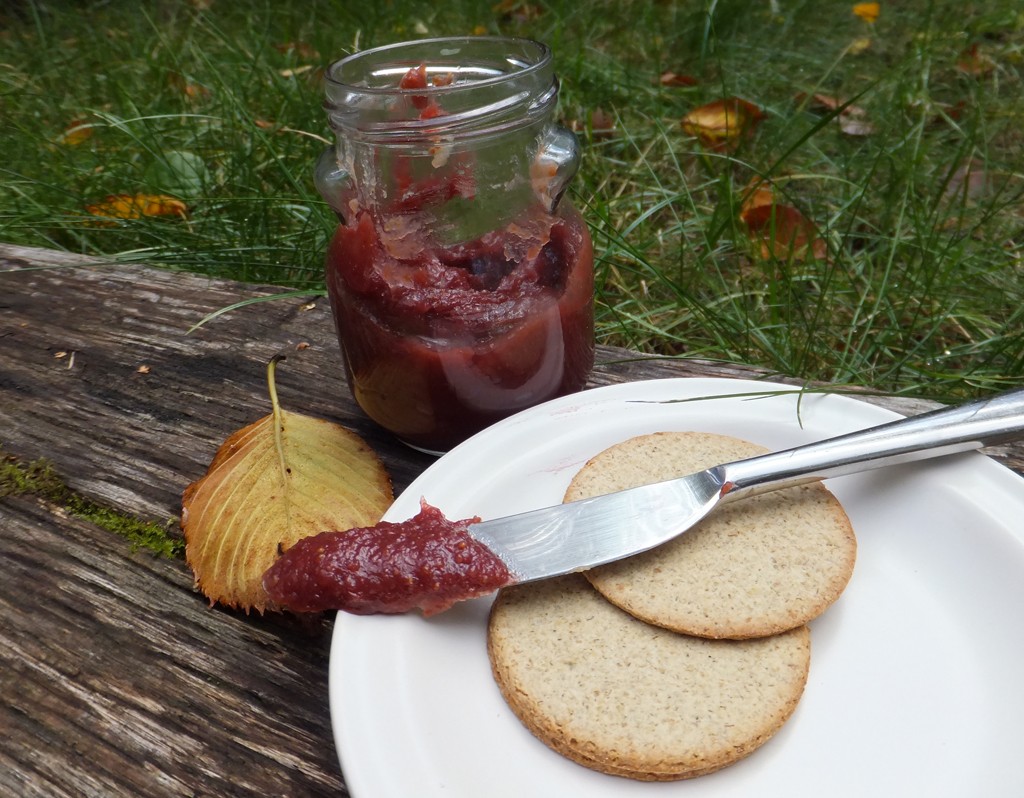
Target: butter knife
(583,534)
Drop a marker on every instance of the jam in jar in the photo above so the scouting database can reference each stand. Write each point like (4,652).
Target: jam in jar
(460,277)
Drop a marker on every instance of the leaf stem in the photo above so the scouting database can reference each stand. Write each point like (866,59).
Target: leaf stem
(278,415)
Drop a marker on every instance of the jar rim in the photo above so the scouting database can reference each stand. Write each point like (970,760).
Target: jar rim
(541,60)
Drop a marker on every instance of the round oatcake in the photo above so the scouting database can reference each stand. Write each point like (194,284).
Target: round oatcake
(630,699)
(755,567)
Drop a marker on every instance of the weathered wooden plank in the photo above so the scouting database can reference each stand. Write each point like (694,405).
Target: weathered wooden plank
(115,677)
(116,681)
(101,375)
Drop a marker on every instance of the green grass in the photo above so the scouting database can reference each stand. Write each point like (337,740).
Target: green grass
(922,291)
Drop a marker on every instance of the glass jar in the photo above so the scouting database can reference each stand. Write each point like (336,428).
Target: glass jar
(460,278)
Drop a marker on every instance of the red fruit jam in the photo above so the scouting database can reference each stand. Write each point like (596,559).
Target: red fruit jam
(442,341)
(427,562)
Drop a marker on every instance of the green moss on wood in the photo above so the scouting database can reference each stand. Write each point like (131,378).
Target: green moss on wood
(38,478)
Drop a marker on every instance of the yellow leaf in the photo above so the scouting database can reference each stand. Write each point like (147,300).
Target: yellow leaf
(858,46)
(867,11)
(78,131)
(135,206)
(722,124)
(272,483)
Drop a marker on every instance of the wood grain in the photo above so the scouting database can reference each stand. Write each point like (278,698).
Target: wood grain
(116,678)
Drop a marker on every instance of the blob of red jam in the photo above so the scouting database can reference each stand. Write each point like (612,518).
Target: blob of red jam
(440,342)
(427,563)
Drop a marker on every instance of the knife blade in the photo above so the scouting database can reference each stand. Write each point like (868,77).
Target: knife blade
(583,534)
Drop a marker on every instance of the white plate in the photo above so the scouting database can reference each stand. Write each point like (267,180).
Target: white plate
(916,685)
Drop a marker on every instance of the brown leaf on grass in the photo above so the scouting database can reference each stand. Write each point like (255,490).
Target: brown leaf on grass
(78,132)
(191,89)
(721,125)
(853,120)
(820,102)
(782,232)
(969,182)
(304,51)
(517,10)
(675,80)
(954,111)
(602,124)
(280,479)
(938,113)
(599,124)
(136,206)
(975,63)
(758,193)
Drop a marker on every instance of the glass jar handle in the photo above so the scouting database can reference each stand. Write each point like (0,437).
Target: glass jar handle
(555,165)
(334,183)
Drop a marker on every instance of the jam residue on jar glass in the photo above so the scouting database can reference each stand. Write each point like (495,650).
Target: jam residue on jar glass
(460,278)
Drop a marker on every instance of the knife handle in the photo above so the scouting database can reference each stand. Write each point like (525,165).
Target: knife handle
(983,422)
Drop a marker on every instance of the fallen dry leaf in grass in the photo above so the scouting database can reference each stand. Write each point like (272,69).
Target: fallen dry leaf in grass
(517,11)
(975,63)
(675,80)
(598,125)
(306,52)
(280,479)
(782,232)
(853,125)
(136,206)
(969,182)
(853,120)
(295,72)
(868,12)
(722,124)
(859,45)
(602,124)
(192,90)
(758,193)
(79,131)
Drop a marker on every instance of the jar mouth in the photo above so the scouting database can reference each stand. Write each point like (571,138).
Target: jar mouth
(480,85)
(486,60)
